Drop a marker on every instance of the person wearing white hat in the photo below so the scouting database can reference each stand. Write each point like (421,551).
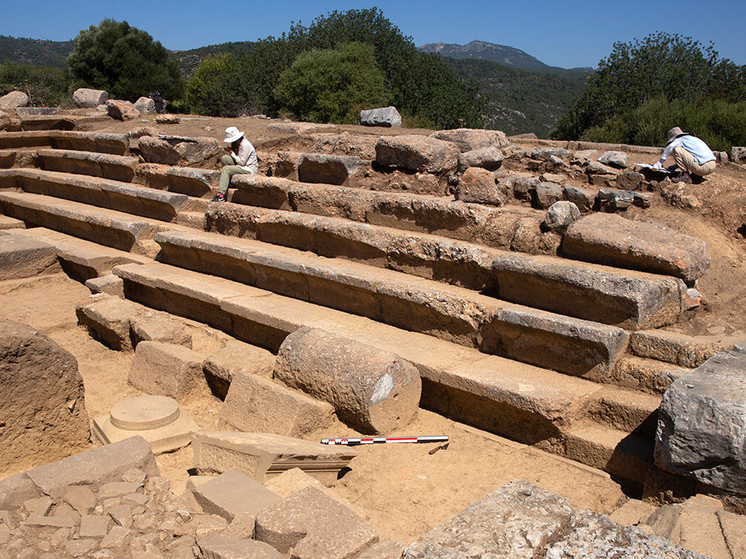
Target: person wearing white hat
(241,160)
(692,156)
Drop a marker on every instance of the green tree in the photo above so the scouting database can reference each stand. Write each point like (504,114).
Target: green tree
(219,87)
(124,61)
(332,85)
(661,65)
(46,86)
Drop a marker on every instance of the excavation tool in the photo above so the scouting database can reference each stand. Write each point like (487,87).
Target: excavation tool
(380,440)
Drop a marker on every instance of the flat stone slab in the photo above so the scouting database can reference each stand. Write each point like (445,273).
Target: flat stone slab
(416,153)
(234,359)
(330,169)
(646,246)
(8,223)
(233,493)
(672,347)
(117,167)
(219,546)
(261,455)
(157,419)
(21,257)
(185,180)
(166,370)
(702,424)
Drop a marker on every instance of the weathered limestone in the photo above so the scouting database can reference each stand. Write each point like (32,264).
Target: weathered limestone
(613,240)
(702,424)
(259,405)
(85,98)
(157,419)
(22,257)
(372,390)
(561,215)
(154,326)
(13,100)
(263,455)
(184,180)
(545,194)
(416,153)
(617,159)
(613,200)
(104,165)
(330,169)
(108,319)
(386,116)
(145,105)
(121,110)
(583,198)
(478,185)
(43,410)
(489,158)
(219,546)
(236,358)
(671,347)
(166,370)
(185,152)
(233,493)
(467,139)
(308,525)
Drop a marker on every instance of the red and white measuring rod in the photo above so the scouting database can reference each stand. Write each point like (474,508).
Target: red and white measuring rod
(377,440)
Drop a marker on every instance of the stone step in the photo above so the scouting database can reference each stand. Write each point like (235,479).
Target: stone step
(193,219)
(679,349)
(111,194)
(115,167)
(645,375)
(614,451)
(199,183)
(80,259)
(102,226)
(115,144)
(622,298)
(627,410)
(569,345)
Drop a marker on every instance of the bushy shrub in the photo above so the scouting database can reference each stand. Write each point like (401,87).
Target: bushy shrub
(46,86)
(219,87)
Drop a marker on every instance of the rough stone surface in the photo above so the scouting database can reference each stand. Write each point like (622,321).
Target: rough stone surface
(108,285)
(260,405)
(122,110)
(613,240)
(220,546)
(156,150)
(13,100)
(738,155)
(329,169)
(612,200)
(375,391)
(43,414)
(468,139)
(702,424)
(617,159)
(262,455)
(478,185)
(153,326)
(583,198)
(386,116)
(108,319)
(166,370)
(145,105)
(560,216)
(236,358)
(22,257)
(233,493)
(489,158)
(309,525)
(675,348)
(630,181)
(545,194)
(85,98)
(416,153)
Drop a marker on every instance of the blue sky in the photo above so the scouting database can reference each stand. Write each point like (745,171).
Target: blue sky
(566,34)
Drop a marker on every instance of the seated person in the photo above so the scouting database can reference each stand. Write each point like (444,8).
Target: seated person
(242,160)
(692,156)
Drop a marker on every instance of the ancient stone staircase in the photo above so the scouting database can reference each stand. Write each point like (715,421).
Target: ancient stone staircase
(532,347)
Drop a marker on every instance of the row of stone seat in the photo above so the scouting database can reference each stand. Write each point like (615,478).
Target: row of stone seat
(113,144)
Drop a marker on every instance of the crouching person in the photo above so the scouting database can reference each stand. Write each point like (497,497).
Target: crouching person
(240,161)
(692,156)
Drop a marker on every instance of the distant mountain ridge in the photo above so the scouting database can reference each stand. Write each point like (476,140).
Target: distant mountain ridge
(36,52)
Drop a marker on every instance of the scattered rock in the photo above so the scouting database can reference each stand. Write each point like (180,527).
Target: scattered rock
(416,153)
(167,119)
(489,158)
(145,105)
(545,194)
(122,110)
(468,139)
(611,200)
(560,216)
(478,185)
(233,493)
(583,198)
(387,117)
(13,100)
(630,180)
(85,98)
(616,159)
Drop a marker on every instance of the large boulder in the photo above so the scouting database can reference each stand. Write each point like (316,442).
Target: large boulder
(645,246)
(478,185)
(122,110)
(489,158)
(702,424)
(387,116)
(85,98)
(43,413)
(13,100)
(330,169)
(467,139)
(145,105)
(416,153)
(185,152)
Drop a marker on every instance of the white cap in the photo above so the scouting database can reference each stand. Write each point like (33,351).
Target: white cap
(232,134)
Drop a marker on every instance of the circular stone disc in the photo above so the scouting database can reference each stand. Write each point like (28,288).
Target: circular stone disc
(144,413)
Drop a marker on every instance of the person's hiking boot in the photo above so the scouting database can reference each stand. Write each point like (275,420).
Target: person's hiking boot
(682,177)
(697,179)
(219,197)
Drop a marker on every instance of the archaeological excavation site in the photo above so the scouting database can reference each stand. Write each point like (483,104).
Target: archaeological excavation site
(519,348)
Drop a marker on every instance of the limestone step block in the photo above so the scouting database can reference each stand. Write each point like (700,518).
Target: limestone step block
(468,139)
(234,359)
(166,370)
(185,180)
(43,412)
(7,159)
(510,398)
(154,326)
(195,220)
(264,455)
(515,521)
(330,169)
(108,319)
(678,349)
(17,140)
(475,223)
(383,550)
(116,167)
(47,122)
(233,493)
(106,227)
(119,196)
(589,291)
(157,419)
(577,347)
(95,467)
(419,154)
(374,391)
(310,525)
(10,224)
(611,450)
(645,375)
(100,142)
(701,426)
(259,405)
(21,257)
(646,246)
(80,259)
(626,410)
(219,546)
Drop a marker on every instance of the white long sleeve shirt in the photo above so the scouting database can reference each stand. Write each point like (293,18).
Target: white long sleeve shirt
(701,152)
(246,156)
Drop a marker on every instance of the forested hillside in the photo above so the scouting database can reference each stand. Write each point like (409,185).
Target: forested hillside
(34,51)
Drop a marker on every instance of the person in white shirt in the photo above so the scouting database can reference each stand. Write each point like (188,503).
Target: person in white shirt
(692,156)
(241,160)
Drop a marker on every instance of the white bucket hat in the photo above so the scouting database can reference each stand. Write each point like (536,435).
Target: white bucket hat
(232,134)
